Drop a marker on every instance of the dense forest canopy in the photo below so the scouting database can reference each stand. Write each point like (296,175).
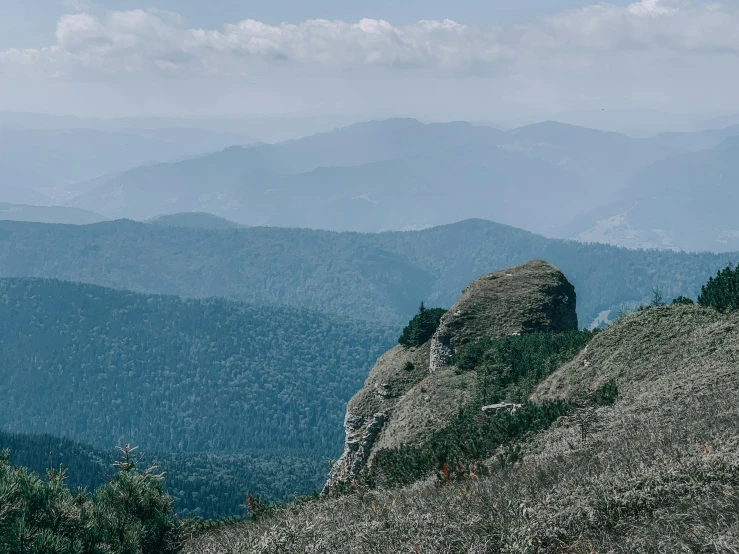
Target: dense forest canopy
(202,484)
(229,397)
(374,276)
(108,367)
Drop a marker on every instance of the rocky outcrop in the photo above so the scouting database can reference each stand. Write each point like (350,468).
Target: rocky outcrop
(412,392)
(501,407)
(534,296)
(361,433)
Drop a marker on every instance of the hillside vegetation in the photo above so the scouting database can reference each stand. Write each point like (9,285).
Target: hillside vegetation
(238,388)
(655,471)
(374,276)
(201,484)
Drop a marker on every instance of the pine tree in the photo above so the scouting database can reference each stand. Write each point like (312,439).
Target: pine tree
(721,292)
(422,327)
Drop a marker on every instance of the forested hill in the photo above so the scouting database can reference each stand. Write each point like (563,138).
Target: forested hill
(202,484)
(110,367)
(375,276)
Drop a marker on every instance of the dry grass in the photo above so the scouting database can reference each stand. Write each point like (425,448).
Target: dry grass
(660,475)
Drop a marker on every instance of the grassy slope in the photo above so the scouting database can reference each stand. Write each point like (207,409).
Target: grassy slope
(660,474)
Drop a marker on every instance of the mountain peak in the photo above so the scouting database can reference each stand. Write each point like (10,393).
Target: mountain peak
(413,392)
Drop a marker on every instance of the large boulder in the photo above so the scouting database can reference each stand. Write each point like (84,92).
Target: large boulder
(534,296)
(412,392)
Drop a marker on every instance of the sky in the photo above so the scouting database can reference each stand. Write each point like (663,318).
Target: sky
(463,59)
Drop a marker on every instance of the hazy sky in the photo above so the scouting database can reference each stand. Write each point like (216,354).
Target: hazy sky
(462,58)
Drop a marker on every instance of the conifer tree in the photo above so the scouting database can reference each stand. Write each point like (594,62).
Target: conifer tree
(721,292)
(422,327)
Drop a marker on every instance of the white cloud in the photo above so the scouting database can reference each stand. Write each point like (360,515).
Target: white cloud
(77,5)
(573,41)
(670,54)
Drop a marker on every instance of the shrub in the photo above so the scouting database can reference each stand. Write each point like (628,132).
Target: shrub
(422,327)
(132,513)
(129,515)
(721,292)
(606,394)
(682,301)
(39,516)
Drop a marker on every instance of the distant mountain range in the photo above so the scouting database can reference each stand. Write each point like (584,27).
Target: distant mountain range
(48,214)
(390,175)
(49,160)
(551,178)
(195,220)
(16,194)
(685,202)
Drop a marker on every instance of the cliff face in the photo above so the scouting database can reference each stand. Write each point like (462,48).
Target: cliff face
(412,392)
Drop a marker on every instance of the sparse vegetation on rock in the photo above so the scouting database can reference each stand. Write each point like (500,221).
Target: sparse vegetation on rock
(414,407)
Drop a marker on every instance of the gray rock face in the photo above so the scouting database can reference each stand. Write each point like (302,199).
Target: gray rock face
(361,433)
(401,406)
(493,409)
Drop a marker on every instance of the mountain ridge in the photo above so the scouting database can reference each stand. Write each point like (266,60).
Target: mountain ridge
(569,169)
(376,276)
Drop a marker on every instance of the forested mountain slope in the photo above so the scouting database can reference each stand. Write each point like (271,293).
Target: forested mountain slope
(202,484)
(375,276)
(109,367)
(229,397)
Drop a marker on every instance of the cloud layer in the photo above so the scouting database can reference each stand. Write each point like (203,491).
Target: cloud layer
(575,41)
(669,54)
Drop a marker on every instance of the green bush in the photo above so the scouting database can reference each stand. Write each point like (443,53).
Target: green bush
(606,394)
(721,292)
(682,301)
(129,515)
(422,327)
